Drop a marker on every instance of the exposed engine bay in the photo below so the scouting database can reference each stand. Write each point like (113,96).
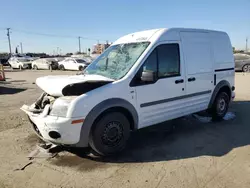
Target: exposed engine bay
(43,100)
(74,89)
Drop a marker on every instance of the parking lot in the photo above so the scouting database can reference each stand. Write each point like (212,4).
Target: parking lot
(193,154)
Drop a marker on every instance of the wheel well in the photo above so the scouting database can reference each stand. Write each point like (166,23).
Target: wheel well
(123,111)
(227,90)
(245,65)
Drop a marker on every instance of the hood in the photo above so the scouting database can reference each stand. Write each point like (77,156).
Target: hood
(62,85)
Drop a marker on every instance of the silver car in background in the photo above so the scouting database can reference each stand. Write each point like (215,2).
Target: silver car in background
(242,62)
(20,63)
(45,63)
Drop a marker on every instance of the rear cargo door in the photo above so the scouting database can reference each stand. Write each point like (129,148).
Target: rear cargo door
(198,57)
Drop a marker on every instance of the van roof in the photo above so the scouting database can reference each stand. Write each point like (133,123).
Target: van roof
(159,34)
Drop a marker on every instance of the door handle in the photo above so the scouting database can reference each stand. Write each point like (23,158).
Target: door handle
(179,81)
(191,79)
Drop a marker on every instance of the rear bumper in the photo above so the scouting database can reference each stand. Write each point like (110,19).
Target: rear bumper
(238,68)
(45,125)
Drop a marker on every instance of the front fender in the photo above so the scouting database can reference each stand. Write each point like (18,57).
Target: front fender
(98,110)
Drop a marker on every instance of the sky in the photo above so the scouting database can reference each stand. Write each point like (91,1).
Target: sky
(54,25)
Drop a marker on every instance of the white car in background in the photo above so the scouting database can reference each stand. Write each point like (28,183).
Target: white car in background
(45,63)
(20,63)
(73,64)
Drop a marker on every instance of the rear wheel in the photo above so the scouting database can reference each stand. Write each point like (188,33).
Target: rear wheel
(246,68)
(61,67)
(220,106)
(109,134)
(35,67)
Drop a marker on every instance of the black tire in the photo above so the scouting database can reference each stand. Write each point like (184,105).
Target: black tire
(220,106)
(61,67)
(109,134)
(81,68)
(35,67)
(246,68)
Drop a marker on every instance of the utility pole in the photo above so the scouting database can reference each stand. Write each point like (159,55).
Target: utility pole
(79,40)
(246,44)
(21,46)
(8,34)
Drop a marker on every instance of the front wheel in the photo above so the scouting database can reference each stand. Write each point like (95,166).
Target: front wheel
(220,106)
(81,68)
(109,134)
(61,67)
(35,67)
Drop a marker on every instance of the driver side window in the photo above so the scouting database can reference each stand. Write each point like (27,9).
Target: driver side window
(164,61)
(151,63)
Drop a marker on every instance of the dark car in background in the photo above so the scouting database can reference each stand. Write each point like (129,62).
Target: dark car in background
(242,62)
(4,61)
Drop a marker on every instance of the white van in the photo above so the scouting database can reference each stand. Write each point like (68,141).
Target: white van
(142,79)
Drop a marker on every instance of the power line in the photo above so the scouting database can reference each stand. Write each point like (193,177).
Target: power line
(43,34)
(53,35)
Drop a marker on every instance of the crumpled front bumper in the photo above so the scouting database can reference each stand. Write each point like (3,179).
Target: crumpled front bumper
(44,124)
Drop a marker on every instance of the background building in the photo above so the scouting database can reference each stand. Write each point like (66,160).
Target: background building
(99,48)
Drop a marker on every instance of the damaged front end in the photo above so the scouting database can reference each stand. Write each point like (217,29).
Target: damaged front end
(39,106)
(49,114)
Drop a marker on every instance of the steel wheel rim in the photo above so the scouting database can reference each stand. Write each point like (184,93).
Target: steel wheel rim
(221,106)
(112,134)
(246,68)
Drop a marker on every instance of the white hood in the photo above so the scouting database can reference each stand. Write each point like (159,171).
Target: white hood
(53,85)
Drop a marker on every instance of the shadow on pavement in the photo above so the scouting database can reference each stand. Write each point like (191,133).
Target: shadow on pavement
(190,138)
(8,90)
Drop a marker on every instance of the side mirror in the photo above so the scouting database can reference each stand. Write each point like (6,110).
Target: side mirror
(148,76)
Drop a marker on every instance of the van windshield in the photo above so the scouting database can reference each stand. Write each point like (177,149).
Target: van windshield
(117,60)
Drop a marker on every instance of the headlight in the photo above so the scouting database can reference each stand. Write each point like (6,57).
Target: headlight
(60,106)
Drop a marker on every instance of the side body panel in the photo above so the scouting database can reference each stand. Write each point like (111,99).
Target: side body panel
(197,52)
(223,58)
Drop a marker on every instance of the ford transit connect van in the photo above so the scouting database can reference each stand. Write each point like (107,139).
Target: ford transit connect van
(142,79)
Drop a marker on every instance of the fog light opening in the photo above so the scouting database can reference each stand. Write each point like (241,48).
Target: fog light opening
(54,134)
